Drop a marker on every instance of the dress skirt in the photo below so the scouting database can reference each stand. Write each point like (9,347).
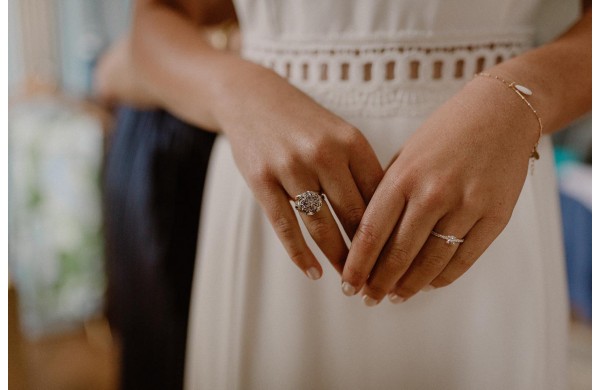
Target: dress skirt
(257,322)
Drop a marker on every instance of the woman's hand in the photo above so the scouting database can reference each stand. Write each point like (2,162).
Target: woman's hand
(285,144)
(460,174)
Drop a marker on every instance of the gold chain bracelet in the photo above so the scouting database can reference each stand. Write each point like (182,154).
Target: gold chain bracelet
(522,91)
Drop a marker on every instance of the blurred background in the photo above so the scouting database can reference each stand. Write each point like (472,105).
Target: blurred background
(59,337)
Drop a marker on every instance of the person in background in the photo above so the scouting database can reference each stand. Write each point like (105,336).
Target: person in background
(153,187)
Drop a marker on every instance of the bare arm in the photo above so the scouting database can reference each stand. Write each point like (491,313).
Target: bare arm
(116,81)
(174,61)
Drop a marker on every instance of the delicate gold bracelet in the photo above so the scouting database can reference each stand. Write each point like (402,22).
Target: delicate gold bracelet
(521,91)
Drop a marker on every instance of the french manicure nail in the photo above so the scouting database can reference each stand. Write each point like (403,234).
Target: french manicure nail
(313,273)
(395,298)
(348,289)
(369,301)
(429,287)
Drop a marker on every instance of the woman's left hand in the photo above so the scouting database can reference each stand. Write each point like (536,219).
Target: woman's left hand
(460,174)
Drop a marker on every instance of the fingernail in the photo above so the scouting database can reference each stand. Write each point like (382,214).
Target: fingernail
(395,298)
(348,289)
(369,301)
(429,287)
(313,273)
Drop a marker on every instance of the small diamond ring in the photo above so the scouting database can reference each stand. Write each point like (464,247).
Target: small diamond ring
(450,240)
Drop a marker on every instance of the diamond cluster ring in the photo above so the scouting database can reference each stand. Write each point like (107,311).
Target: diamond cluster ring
(450,240)
(309,202)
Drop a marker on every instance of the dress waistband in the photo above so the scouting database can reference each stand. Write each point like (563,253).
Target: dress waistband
(384,78)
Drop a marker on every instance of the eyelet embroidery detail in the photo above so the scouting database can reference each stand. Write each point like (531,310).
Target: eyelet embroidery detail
(381,80)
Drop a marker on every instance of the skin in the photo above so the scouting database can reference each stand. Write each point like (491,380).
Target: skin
(461,173)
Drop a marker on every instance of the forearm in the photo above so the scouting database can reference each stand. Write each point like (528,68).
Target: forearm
(177,65)
(559,74)
(116,81)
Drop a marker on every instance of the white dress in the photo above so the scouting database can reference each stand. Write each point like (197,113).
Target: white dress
(257,322)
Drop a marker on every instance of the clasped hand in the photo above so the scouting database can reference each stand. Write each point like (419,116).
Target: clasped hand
(459,174)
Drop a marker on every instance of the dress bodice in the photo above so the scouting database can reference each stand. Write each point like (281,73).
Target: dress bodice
(384,57)
(301,20)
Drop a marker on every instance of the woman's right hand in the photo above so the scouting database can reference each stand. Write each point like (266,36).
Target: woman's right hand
(284,144)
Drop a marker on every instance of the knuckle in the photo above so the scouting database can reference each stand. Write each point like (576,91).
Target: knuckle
(317,145)
(472,204)
(355,138)
(319,227)
(290,165)
(500,219)
(365,234)
(402,183)
(259,175)
(286,230)
(284,227)
(464,262)
(434,262)
(398,257)
(323,157)
(433,198)
(474,198)
(353,215)
(296,255)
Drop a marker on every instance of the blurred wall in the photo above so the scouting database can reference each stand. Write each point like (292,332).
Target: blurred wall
(57,42)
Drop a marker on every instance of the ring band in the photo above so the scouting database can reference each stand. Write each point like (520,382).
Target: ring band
(450,240)
(309,202)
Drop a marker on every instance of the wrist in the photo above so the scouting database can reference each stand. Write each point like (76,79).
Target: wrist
(508,107)
(524,94)
(242,88)
(231,80)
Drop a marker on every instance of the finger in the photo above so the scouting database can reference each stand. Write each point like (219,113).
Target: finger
(433,256)
(345,198)
(377,223)
(275,202)
(323,229)
(366,168)
(476,242)
(413,231)
(393,159)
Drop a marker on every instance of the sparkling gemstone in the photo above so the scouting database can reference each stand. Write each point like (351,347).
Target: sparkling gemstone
(309,202)
(524,90)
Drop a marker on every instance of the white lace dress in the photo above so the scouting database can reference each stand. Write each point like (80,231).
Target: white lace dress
(384,65)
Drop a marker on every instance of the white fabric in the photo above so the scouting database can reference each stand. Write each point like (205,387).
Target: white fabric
(258,323)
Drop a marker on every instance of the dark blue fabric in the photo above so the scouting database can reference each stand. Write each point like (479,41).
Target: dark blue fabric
(153,182)
(577,229)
